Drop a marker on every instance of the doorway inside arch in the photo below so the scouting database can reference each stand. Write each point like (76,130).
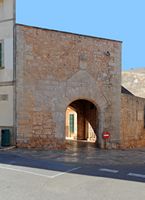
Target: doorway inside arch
(82,121)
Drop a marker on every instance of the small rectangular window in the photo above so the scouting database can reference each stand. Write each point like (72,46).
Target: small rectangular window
(1,55)
(3,97)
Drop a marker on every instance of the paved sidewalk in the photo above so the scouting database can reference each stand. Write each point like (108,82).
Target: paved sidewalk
(86,153)
(79,172)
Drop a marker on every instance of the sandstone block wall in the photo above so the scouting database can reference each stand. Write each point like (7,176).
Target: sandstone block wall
(132,121)
(53,70)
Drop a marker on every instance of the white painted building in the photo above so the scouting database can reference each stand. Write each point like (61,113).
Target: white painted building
(7,60)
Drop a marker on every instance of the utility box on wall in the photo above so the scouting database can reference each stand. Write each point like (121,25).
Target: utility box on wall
(5,137)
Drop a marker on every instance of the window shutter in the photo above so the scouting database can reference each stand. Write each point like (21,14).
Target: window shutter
(71,121)
(0,55)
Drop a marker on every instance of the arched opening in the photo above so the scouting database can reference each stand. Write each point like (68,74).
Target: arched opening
(82,121)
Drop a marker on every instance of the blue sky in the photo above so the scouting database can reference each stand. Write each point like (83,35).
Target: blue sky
(115,19)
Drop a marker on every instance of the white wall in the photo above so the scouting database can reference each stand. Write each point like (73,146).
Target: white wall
(6,106)
(6,36)
(6,9)
(7,21)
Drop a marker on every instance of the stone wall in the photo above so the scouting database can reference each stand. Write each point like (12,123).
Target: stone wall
(56,68)
(132,121)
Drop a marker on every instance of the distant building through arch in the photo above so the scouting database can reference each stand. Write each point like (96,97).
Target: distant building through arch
(82,121)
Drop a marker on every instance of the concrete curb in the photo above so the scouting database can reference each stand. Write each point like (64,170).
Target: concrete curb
(7,148)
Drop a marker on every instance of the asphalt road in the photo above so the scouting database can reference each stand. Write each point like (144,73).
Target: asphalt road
(32,176)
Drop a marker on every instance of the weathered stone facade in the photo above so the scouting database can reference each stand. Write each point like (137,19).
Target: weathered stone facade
(133,109)
(132,121)
(53,69)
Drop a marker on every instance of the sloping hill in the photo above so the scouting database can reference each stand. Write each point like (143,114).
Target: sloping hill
(134,81)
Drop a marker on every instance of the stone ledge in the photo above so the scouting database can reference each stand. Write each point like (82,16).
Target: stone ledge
(7,148)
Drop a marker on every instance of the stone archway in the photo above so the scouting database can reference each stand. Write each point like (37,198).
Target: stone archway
(82,121)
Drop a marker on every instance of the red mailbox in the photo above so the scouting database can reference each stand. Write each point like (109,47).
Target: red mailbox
(106,135)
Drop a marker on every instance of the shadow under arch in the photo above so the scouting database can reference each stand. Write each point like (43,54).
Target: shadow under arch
(82,121)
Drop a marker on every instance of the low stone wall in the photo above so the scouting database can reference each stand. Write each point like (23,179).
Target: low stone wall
(132,121)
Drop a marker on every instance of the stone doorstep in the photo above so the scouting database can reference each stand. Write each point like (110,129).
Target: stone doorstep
(7,148)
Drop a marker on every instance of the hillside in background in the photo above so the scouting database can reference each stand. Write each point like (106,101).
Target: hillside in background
(134,81)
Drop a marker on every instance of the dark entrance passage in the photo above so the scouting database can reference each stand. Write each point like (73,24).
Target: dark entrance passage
(82,121)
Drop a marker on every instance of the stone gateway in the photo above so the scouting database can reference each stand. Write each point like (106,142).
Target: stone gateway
(57,69)
(57,86)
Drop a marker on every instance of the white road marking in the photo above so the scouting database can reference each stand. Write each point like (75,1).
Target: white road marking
(23,171)
(109,170)
(60,174)
(137,175)
(12,168)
